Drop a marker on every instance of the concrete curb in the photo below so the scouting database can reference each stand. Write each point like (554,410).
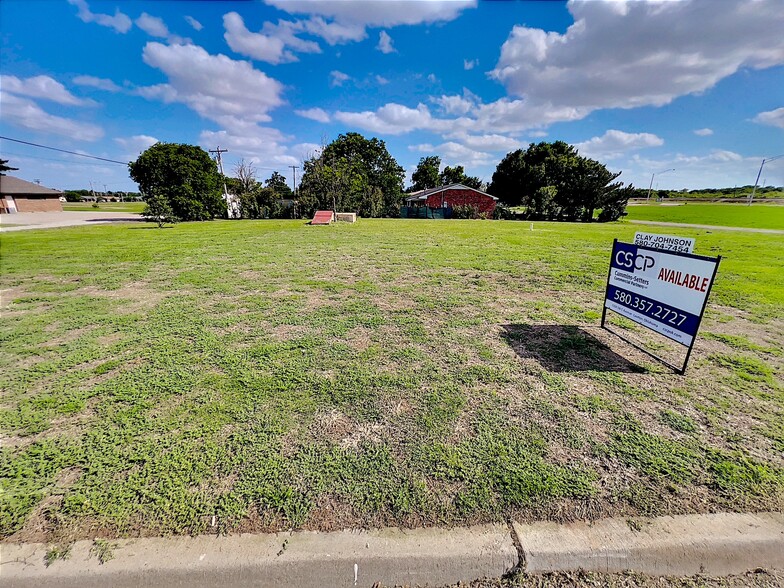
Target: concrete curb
(346,558)
(717,544)
(714,544)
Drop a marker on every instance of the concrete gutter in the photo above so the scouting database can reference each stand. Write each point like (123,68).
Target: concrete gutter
(303,559)
(715,545)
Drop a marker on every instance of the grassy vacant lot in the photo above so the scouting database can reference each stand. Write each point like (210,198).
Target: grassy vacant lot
(758,216)
(274,375)
(104,206)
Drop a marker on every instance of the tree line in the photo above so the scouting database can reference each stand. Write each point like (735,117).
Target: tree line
(357,174)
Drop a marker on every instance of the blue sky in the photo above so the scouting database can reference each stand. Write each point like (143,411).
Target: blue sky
(697,86)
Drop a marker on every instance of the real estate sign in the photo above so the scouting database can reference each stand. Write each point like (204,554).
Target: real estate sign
(665,242)
(665,291)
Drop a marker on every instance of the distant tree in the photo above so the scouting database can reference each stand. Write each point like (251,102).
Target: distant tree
(245,174)
(457,175)
(553,181)
(185,175)
(426,174)
(4,167)
(277,183)
(352,174)
(158,210)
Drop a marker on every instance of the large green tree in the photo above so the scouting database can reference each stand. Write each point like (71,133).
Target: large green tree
(352,174)
(552,180)
(426,173)
(457,175)
(185,175)
(277,183)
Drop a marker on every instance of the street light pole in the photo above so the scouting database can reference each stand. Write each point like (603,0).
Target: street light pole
(648,198)
(759,173)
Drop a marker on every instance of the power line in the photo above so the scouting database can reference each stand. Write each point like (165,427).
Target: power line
(64,150)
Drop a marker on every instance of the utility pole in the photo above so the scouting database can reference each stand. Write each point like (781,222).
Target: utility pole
(294,169)
(218,152)
(756,183)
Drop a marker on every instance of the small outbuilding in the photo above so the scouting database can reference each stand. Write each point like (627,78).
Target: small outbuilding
(440,202)
(21,196)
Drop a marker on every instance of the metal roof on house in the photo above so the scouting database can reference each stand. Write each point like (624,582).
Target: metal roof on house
(11,186)
(423,194)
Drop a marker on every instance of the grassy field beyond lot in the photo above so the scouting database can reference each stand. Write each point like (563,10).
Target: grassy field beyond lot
(756,216)
(136,207)
(261,375)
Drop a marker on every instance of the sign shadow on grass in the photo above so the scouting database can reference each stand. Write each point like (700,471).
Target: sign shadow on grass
(565,348)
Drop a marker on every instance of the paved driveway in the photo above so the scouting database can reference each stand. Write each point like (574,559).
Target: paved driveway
(22,221)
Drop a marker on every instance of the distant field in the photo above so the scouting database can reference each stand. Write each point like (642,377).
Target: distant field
(274,375)
(104,206)
(757,216)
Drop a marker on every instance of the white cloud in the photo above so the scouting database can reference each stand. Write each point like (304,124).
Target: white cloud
(773,118)
(260,145)
(42,87)
(152,25)
(457,104)
(490,142)
(119,22)
(155,27)
(24,113)
(217,87)
(615,143)
(317,114)
(100,83)
(703,132)
(538,134)
(378,13)
(254,45)
(385,43)
(393,119)
(432,78)
(470,63)
(382,81)
(456,154)
(271,43)
(197,26)
(336,78)
(136,144)
(630,54)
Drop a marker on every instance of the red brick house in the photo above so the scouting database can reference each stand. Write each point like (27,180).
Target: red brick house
(439,202)
(20,196)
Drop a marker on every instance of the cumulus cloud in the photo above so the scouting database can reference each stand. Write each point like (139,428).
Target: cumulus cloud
(630,54)
(255,143)
(24,113)
(615,143)
(155,27)
(197,26)
(773,118)
(119,22)
(100,83)
(271,44)
(458,104)
(378,13)
(455,153)
(317,114)
(382,81)
(43,87)
(703,132)
(217,87)
(336,78)
(385,43)
(470,63)
(134,145)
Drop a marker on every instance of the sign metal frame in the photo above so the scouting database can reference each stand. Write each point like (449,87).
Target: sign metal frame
(682,369)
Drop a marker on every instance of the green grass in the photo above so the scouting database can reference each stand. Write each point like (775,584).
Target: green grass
(757,216)
(272,375)
(135,207)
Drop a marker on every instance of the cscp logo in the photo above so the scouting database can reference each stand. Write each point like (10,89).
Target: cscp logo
(632,260)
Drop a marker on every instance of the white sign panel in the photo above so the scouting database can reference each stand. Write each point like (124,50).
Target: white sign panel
(665,242)
(663,291)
